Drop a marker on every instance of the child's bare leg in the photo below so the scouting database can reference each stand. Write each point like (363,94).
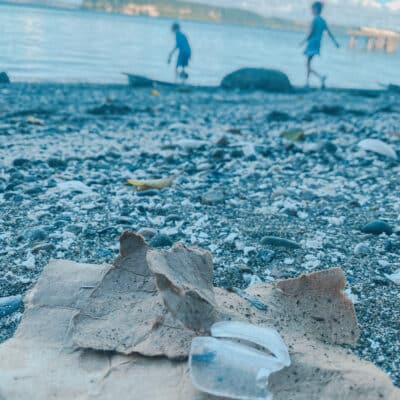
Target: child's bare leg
(310,71)
(309,59)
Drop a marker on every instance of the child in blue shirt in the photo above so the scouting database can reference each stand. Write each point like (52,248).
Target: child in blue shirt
(318,27)
(185,52)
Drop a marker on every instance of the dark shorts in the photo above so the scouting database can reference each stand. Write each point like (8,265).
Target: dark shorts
(183,60)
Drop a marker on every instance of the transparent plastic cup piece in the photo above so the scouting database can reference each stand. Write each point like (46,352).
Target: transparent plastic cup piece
(232,369)
(265,337)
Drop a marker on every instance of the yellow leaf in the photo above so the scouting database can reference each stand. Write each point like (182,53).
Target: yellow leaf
(35,121)
(152,183)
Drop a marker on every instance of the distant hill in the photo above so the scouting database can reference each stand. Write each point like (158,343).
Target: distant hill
(187,10)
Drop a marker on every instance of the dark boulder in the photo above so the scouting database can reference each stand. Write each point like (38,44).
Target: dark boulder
(257,79)
(4,78)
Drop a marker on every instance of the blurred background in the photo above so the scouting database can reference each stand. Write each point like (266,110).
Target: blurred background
(96,40)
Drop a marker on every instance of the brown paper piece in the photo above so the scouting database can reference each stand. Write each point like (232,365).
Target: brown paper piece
(42,362)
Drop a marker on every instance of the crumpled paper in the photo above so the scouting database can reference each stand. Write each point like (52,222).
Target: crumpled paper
(52,355)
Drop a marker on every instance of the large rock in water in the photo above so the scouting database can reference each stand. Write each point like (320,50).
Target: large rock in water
(257,78)
(4,78)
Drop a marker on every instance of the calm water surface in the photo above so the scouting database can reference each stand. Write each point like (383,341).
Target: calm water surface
(39,44)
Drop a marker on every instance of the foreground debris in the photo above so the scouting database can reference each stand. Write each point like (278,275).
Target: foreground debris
(127,309)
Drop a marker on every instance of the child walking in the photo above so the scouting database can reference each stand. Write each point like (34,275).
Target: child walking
(185,52)
(313,40)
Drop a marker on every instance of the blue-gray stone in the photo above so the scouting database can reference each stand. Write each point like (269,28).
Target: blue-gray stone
(10,304)
(279,242)
(37,235)
(213,197)
(160,240)
(377,228)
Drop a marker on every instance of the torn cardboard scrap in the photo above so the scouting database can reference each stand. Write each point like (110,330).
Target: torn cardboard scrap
(152,303)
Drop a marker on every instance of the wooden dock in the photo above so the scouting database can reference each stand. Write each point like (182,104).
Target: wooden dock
(375,39)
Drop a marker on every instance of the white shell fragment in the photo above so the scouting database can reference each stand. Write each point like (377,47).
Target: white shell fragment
(235,362)
(379,147)
(395,278)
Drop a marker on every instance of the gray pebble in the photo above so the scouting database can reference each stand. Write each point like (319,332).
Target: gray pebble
(280,242)
(377,227)
(10,304)
(147,233)
(160,240)
(361,249)
(213,197)
(37,235)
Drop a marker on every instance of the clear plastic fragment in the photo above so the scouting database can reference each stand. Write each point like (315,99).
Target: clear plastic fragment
(265,337)
(223,366)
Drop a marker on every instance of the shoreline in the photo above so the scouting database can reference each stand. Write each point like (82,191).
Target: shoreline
(208,88)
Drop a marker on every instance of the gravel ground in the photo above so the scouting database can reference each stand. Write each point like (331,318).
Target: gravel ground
(63,191)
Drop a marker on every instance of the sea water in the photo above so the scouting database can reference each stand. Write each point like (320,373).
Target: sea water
(44,44)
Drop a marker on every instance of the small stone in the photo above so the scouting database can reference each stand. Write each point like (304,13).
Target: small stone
(361,249)
(222,142)
(76,229)
(237,153)
(265,256)
(124,220)
(280,242)
(161,240)
(10,304)
(213,197)
(34,190)
(377,228)
(278,116)
(37,235)
(104,252)
(20,162)
(147,233)
(388,245)
(330,147)
(43,247)
(56,163)
(147,193)
(173,218)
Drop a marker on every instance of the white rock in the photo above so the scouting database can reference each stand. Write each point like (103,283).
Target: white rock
(72,186)
(395,278)
(379,147)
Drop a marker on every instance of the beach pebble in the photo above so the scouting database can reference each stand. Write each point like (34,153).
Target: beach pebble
(68,187)
(265,256)
(395,277)
(377,227)
(37,235)
(147,193)
(213,197)
(34,190)
(43,247)
(147,233)
(279,242)
(10,304)
(56,163)
(362,249)
(160,240)
(379,147)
